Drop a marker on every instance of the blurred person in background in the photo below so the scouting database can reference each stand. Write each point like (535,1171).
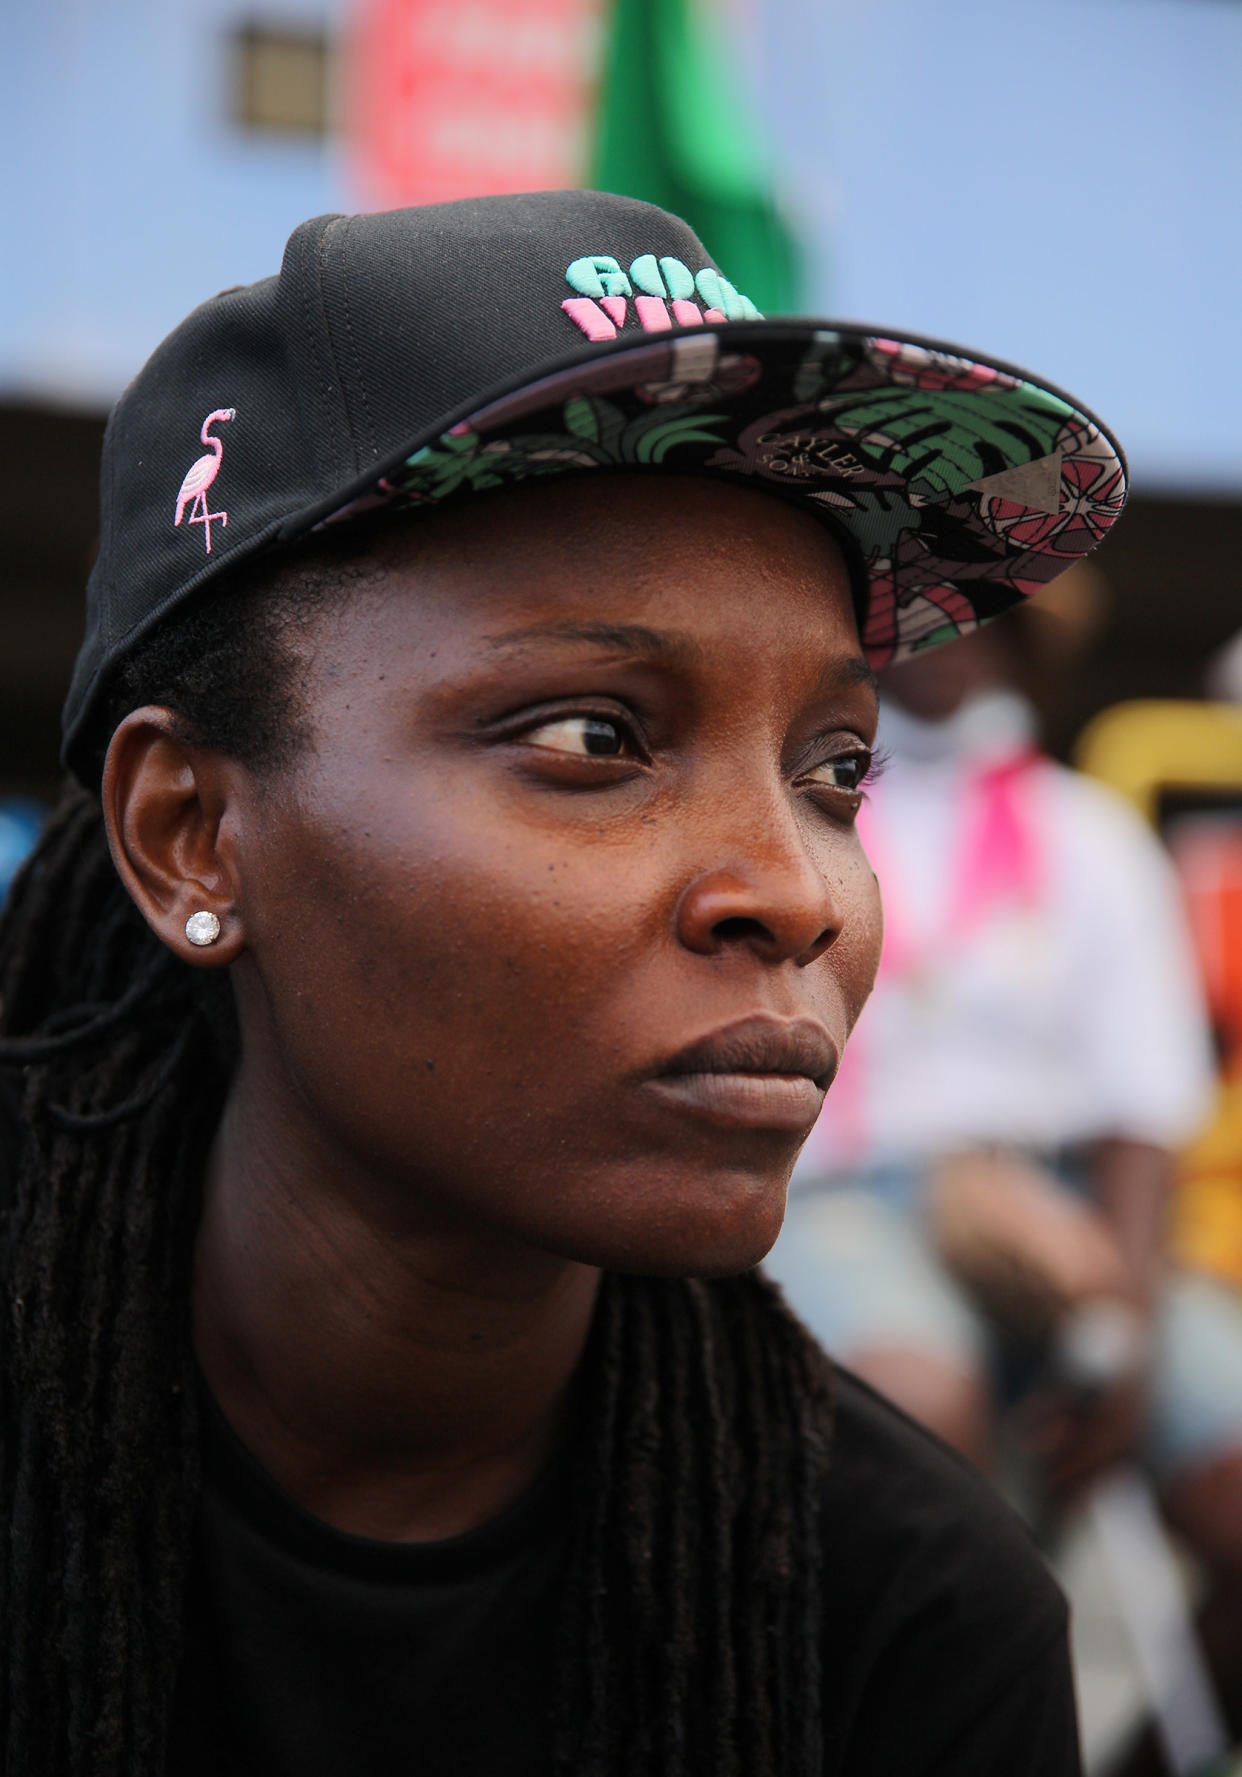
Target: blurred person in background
(981,1215)
(1180,763)
(1208,852)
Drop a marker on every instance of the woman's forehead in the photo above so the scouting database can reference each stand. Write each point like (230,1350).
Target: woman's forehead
(739,598)
(619,544)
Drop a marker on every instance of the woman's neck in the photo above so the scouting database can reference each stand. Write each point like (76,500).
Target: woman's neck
(398,1375)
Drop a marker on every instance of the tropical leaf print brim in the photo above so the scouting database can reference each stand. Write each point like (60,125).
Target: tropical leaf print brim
(960,486)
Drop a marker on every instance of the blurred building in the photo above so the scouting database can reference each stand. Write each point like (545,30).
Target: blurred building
(1054,180)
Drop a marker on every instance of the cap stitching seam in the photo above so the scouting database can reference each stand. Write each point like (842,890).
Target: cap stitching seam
(328,468)
(371,437)
(346,407)
(318,380)
(109,516)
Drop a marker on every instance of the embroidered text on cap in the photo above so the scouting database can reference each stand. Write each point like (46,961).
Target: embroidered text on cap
(601,306)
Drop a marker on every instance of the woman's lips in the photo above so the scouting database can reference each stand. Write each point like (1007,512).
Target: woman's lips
(760,1073)
(745,1101)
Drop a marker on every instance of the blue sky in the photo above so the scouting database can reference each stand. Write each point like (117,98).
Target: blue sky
(1056,182)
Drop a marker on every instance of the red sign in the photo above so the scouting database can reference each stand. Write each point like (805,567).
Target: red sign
(1208,855)
(454,98)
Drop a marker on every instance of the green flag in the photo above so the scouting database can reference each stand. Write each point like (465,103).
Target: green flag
(673,128)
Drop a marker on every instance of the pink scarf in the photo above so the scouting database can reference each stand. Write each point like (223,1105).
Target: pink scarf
(999,862)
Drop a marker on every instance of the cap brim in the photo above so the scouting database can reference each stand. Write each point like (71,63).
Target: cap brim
(958,485)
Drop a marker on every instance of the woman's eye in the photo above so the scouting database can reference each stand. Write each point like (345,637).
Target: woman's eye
(846,772)
(587,736)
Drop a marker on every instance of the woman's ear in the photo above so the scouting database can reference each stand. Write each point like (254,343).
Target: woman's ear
(164,803)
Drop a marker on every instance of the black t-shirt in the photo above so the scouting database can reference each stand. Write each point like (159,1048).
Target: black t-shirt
(310,1653)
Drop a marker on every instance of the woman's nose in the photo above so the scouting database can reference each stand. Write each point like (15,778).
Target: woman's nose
(778,904)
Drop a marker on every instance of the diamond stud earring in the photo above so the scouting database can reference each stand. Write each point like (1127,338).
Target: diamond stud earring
(202,928)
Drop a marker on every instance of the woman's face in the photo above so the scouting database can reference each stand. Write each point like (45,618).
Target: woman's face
(556,929)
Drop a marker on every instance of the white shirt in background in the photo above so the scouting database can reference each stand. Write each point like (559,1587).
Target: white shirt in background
(1062,1010)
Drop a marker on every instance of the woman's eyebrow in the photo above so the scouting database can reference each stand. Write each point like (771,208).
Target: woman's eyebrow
(843,675)
(672,646)
(617,638)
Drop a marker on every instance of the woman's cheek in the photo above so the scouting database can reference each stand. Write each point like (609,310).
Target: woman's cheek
(857,951)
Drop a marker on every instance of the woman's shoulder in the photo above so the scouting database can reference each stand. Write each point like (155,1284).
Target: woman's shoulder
(943,1621)
(906,1514)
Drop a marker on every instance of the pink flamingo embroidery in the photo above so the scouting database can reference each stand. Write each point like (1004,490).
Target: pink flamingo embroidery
(199,477)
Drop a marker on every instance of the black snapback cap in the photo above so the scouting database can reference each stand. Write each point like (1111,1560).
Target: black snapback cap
(417,356)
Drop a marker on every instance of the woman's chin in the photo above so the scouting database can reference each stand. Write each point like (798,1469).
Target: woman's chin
(709,1233)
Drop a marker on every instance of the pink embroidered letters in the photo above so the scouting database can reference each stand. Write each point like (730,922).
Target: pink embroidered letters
(600,306)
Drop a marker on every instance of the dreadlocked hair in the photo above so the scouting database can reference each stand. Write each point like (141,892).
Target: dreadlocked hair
(692,1614)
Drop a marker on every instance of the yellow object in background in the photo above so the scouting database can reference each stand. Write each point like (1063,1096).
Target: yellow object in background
(1151,746)
(1155,751)
(1207,1207)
